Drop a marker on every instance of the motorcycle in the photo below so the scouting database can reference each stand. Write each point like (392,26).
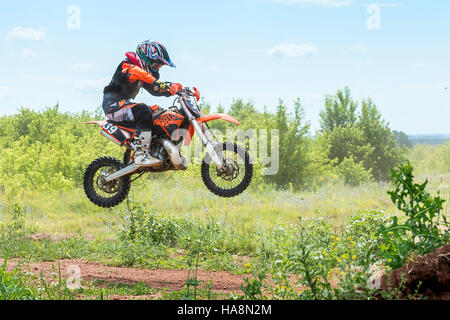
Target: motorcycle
(226,168)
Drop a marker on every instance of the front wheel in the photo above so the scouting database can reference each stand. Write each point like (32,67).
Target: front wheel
(234,178)
(105,194)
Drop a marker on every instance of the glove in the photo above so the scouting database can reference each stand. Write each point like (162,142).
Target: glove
(161,87)
(174,88)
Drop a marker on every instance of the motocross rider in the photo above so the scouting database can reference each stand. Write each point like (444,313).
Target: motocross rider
(140,69)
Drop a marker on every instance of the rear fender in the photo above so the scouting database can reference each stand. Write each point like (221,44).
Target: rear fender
(118,133)
(99,123)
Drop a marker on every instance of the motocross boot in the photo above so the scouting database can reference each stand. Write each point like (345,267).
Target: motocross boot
(142,157)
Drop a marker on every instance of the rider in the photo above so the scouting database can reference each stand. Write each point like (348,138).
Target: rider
(140,69)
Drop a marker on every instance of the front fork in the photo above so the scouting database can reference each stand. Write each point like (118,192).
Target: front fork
(209,143)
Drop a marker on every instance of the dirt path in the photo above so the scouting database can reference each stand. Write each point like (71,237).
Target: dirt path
(431,270)
(171,280)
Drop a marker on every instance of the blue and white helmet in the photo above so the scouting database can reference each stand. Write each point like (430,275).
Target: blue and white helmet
(153,55)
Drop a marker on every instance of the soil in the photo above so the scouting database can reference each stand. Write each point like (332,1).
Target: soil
(171,280)
(431,270)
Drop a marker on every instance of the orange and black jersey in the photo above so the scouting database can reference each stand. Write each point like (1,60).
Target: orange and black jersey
(126,83)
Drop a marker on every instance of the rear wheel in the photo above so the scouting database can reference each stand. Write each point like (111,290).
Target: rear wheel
(105,194)
(234,178)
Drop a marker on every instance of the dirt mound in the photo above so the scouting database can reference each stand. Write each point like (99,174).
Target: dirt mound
(432,272)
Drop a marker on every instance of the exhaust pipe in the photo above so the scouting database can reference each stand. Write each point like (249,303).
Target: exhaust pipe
(178,161)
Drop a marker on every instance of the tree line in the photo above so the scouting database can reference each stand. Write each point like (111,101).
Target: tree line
(354,142)
(50,149)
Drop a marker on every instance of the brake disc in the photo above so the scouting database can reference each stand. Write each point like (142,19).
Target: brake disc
(232,171)
(108,187)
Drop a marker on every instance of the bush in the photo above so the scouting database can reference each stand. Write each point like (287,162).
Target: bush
(12,287)
(141,225)
(428,159)
(47,150)
(353,173)
(421,232)
(313,261)
(13,227)
(363,136)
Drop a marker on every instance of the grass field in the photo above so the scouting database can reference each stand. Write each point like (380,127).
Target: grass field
(174,223)
(71,212)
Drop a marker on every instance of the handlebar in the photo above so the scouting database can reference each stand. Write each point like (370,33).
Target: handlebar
(186,90)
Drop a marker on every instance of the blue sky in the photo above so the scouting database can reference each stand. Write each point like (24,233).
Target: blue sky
(260,50)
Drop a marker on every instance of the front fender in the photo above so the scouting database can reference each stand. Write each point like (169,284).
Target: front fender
(216,116)
(203,119)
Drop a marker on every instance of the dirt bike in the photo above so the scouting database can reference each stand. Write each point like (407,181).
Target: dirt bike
(226,168)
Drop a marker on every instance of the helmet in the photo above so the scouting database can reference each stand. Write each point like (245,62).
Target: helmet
(153,55)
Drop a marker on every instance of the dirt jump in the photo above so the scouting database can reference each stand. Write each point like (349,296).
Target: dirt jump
(427,276)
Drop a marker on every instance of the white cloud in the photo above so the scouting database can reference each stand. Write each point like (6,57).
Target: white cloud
(360,48)
(364,64)
(390,5)
(83,66)
(91,85)
(293,50)
(28,53)
(25,53)
(23,33)
(326,3)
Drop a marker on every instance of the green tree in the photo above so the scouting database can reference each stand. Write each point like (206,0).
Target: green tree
(293,137)
(293,143)
(363,137)
(339,111)
(386,153)
(348,142)
(49,149)
(402,139)
(353,173)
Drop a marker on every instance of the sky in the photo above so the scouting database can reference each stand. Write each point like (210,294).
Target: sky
(395,52)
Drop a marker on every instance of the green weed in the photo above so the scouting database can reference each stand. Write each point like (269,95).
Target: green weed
(420,233)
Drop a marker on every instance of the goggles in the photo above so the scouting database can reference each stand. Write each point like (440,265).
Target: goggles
(155,66)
